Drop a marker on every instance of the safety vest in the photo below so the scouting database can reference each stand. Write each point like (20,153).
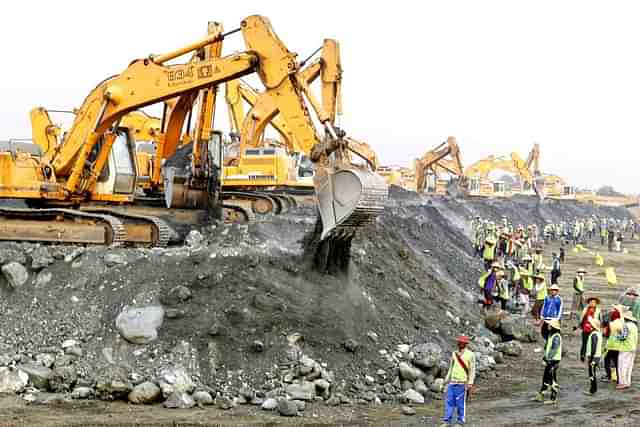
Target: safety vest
(579,285)
(489,252)
(631,342)
(503,289)
(596,313)
(541,290)
(537,260)
(613,343)
(483,279)
(558,354)
(594,335)
(456,371)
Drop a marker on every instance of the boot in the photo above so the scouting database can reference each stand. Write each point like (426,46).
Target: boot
(539,397)
(614,375)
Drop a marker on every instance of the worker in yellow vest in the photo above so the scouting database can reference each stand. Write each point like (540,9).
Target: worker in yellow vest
(460,381)
(552,356)
(593,353)
(577,304)
(613,329)
(540,292)
(489,251)
(627,349)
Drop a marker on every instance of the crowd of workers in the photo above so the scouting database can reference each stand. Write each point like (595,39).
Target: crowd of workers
(514,279)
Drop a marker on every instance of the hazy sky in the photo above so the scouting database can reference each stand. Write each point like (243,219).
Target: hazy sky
(498,75)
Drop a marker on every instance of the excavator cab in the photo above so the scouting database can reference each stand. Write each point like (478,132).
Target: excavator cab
(120,172)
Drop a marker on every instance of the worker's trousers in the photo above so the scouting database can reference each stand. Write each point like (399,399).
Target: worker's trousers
(593,378)
(550,378)
(455,400)
(577,304)
(611,364)
(625,366)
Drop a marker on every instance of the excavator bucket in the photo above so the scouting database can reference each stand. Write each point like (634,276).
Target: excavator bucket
(348,198)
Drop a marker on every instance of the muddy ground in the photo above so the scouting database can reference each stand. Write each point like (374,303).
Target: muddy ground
(412,274)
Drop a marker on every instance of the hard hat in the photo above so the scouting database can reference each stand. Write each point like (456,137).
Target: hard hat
(596,299)
(554,323)
(554,287)
(628,315)
(582,270)
(463,339)
(594,322)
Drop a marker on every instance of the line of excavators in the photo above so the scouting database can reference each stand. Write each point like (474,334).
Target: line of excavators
(104,180)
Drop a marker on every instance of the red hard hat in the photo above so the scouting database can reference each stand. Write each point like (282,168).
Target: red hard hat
(463,339)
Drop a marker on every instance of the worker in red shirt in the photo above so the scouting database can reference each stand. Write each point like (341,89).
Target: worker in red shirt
(591,311)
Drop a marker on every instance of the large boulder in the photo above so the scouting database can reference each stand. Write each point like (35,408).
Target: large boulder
(12,380)
(10,251)
(484,362)
(144,393)
(15,273)
(112,382)
(39,375)
(63,379)
(41,258)
(139,325)
(306,390)
(203,398)
(519,329)
(409,373)
(510,348)
(176,381)
(412,396)
(427,355)
(287,408)
(179,400)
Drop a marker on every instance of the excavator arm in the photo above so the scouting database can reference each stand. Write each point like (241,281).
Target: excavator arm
(435,161)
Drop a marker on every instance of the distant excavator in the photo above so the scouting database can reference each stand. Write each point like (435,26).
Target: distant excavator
(434,163)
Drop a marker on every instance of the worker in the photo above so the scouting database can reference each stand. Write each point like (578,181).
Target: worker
(552,356)
(459,381)
(614,327)
(502,289)
(551,307)
(489,251)
(538,264)
(577,304)
(555,269)
(562,254)
(627,350)
(524,289)
(540,292)
(603,235)
(593,353)
(591,311)
(488,284)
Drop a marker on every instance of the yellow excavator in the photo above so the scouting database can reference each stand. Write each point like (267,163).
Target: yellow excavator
(434,163)
(94,165)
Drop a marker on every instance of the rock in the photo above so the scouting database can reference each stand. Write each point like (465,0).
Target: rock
(420,387)
(43,278)
(224,403)
(12,380)
(194,239)
(510,348)
(112,383)
(74,254)
(179,400)
(409,373)
(404,348)
(248,393)
(176,380)
(257,346)
(174,313)
(144,393)
(203,398)
(519,329)
(484,363)
(39,375)
(408,410)
(373,336)
(16,274)
(406,385)
(82,393)
(112,259)
(333,401)
(493,318)
(304,391)
(369,380)
(139,325)
(302,405)
(437,385)
(351,345)
(389,388)
(63,379)
(287,408)
(10,251)
(269,404)
(214,329)
(63,360)
(40,258)
(369,396)
(404,293)
(74,351)
(486,333)
(257,401)
(178,294)
(498,357)
(45,359)
(69,343)
(427,355)
(412,396)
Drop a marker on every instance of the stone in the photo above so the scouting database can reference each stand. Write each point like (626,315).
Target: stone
(269,404)
(287,408)
(224,403)
(139,324)
(302,405)
(409,373)
(427,355)
(63,360)
(179,400)
(203,398)
(510,348)
(404,293)
(43,278)
(437,386)
(63,379)
(248,393)
(518,329)
(144,393)
(408,410)
(40,258)
(12,380)
(194,239)
(257,346)
(420,387)
(10,251)
(112,383)
(16,274)
(74,351)
(412,396)
(303,391)
(179,294)
(74,254)
(498,357)
(389,388)
(351,345)
(39,375)
(112,259)
(333,401)
(174,313)
(82,393)
(406,385)
(69,343)
(176,380)
(45,359)
(369,380)
(404,348)
(214,329)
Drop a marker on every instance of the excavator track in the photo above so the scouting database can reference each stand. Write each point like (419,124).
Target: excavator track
(31,226)
(161,232)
